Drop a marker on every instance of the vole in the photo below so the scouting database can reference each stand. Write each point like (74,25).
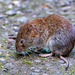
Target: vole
(54,31)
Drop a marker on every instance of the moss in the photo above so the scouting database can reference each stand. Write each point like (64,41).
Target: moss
(0,65)
(3,47)
(17,15)
(71,71)
(11,54)
(74,64)
(27,61)
(43,58)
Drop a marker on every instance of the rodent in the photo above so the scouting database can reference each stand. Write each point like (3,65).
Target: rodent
(53,31)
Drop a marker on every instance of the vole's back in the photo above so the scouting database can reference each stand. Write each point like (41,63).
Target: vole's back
(61,42)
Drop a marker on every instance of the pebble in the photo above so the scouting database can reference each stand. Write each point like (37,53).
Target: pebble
(6,21)
(2,16)
(16,28)
(23,6)
(8,1)
(47,69)
(32,68)
(1,59)
(8,46)
(37,70)
(6,69)
(73,50)
(22,19)
(66,8)
(37,61)
(12,32)
(10,12)
(10,6)
(4,27)
(5,35)
(17,3)
(9,65)
(33,73)
(48,64)
(18,12)
(1,0)
(61,61)
(44,74)
(16,33)
(3,51)
(48,12)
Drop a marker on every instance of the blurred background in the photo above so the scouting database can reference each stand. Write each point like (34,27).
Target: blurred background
(15,12)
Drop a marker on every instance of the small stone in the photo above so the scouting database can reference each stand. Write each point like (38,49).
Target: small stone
(32,68)
(37,70)
(5,35)
(47,12)
(12,32)
(18,12)
(2,16)
(8,1)
(4,27)
(48,64)
(16,28)
(6,21)
(37,61)
(66,8)
(6,69)
(73,50)
(17,3)
(47,69)
(3,51)
(33,73)
(22,19)
(8,46)
(44,74)
(1,59)
(16,33)
(23,6)
(10,12)
(2,66)
(10,6)
(9,65)
(61,61)
(1,0)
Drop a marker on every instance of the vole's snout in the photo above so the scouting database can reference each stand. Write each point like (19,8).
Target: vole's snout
(20,46)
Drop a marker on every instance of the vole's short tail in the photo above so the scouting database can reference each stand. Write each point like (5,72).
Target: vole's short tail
(67,63)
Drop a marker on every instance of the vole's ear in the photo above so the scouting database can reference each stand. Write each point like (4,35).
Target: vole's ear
(33,26)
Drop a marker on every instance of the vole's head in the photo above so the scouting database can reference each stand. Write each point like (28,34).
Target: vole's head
(27,36)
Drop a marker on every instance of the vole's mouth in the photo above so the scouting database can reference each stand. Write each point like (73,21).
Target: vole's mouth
(26,51)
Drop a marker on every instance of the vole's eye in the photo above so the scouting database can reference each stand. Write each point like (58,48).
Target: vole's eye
(22,41)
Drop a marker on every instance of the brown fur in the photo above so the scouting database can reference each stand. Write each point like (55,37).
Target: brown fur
(53,31)
(41,31)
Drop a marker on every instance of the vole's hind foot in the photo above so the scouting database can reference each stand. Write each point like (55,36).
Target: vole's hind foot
(66,61)
(45,55)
